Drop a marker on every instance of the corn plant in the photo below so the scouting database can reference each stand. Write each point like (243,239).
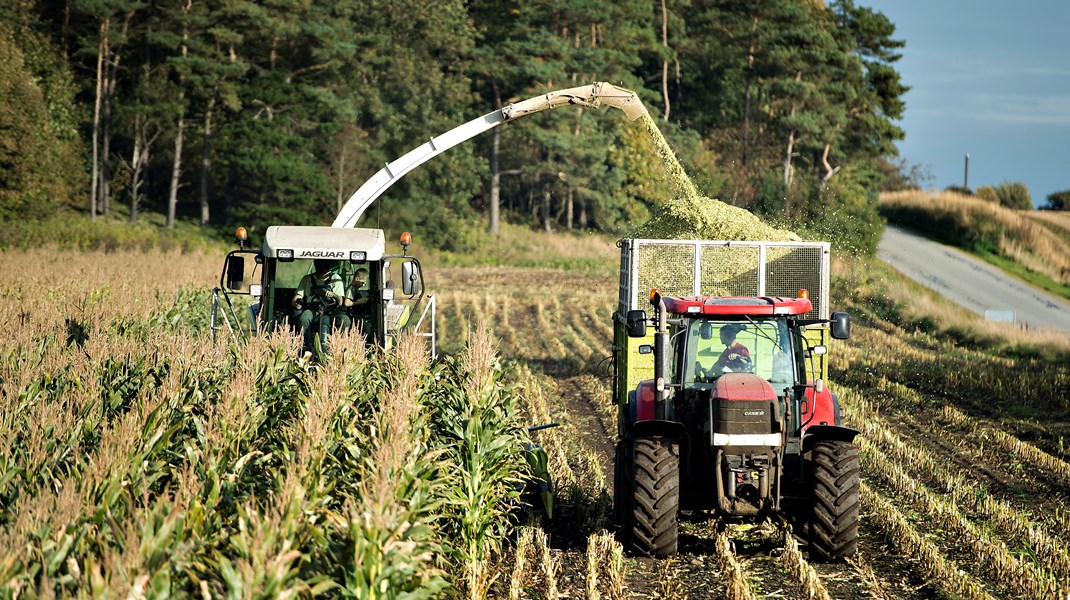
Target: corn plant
(480,423)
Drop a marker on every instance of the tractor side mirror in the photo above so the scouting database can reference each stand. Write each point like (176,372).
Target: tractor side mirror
(841,325)
(636,321)
(410,278)
(236,272)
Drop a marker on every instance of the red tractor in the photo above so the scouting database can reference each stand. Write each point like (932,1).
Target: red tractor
(737,421)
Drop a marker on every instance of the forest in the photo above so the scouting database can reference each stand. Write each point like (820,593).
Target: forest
(224,112)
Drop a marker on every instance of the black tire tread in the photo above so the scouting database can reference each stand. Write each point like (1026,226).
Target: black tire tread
(655,496)
(834,520)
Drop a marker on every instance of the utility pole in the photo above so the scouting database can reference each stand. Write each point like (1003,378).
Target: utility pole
(966,177)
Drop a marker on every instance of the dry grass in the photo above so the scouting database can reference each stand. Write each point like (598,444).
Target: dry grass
(605,567)
(1059,220)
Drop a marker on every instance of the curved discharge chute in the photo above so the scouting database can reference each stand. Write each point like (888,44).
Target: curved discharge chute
(593,96)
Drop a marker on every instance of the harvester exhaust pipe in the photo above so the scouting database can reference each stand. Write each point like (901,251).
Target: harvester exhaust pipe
(661,355)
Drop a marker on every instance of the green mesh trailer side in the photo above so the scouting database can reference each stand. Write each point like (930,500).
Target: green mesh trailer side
(631,367)
(818,336)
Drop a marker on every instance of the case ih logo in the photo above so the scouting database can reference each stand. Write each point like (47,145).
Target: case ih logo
(754,413)
(321,254)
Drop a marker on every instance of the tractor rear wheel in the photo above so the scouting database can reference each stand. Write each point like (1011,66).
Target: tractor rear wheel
(834,518)
(655,496)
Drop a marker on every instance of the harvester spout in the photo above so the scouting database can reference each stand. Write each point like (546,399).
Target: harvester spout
(593,95)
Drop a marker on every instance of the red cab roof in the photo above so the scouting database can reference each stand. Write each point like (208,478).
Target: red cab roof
(738,305)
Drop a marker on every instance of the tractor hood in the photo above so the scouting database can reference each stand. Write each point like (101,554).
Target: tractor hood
(324,242)
(743,387)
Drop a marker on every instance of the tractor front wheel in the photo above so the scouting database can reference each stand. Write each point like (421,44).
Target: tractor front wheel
(655,495)
(834,517)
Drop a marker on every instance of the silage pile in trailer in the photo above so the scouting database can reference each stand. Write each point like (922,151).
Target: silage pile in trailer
(690,215)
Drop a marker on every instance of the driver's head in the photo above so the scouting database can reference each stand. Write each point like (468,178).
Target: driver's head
(728,333)
(360,277)
(322,266)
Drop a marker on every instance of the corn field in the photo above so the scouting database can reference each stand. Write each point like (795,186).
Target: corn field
(138,459)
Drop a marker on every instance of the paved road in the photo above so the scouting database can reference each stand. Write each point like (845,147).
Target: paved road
(973,284)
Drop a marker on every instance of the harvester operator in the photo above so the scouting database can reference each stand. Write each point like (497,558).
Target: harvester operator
(321,294)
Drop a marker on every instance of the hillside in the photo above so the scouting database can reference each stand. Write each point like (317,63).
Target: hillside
(1034,245)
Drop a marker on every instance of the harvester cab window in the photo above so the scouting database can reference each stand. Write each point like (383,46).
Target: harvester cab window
(281,285)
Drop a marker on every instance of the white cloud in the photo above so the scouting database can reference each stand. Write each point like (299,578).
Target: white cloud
(1053,110)
(1019,108)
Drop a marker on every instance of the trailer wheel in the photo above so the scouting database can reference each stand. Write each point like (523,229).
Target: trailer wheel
(655,496)
(834,519)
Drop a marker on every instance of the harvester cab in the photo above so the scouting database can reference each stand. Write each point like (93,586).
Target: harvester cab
(735,417)
(317,280)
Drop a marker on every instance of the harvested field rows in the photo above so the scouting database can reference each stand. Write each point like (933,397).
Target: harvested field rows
(966,486)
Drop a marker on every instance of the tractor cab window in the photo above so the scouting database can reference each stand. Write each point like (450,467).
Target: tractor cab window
(761,347)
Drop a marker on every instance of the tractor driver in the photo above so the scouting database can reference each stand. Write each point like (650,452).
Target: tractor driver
(736,356)
(321,294)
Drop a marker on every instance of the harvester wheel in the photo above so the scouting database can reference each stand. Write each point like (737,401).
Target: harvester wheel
(655,496)
(834,520)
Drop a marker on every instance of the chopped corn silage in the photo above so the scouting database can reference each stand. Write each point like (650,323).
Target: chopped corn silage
(690,215)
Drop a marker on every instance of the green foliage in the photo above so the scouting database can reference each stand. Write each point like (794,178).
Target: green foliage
(286,107)
(958,189)
(772,196)
(68,230)
(987,192)
(36,148)
(900,174)
(1058,201)
(846,214)
(479,422)
(247,471)
(1014,194)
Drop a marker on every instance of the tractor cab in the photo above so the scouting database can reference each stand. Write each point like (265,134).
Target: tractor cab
(737,345)
(715,339)
(344,278)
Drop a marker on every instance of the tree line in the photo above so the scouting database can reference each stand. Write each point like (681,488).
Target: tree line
(274,111)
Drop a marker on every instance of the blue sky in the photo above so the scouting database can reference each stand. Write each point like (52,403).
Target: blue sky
(991,78)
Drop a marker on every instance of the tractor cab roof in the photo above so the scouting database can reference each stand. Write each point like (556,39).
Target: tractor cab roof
(737,306)
(324,242)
